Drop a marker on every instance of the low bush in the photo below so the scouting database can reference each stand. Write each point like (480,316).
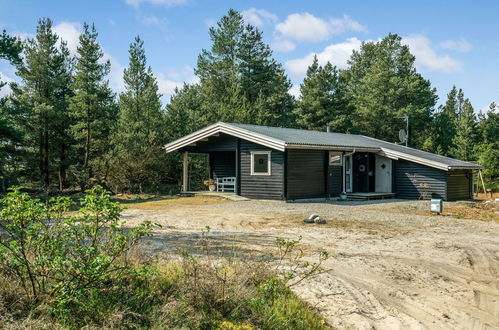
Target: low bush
(60,271)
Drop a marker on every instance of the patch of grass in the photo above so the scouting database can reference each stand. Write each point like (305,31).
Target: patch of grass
(169,201)
(469,210)
(188,294)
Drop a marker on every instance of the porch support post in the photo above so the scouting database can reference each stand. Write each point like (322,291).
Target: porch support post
(185,172)
(343,172)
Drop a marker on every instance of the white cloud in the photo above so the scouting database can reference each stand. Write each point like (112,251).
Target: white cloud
(210,22)
(5,90)
(69,32)
(173,79)
(341,25)
(116,73)
(283,45)
(427,57)
(304,27)
(309,28)
(337,54)
(258,17)
(295,90)
(166,3)
(23,35)
(153,20)
(460,45)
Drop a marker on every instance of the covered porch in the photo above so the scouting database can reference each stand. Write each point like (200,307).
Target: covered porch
(222,164)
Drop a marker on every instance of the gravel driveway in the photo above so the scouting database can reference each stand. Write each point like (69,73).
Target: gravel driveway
(389,269)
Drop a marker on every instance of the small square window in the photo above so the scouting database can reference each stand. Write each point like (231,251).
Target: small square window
(335,158)
(260,163)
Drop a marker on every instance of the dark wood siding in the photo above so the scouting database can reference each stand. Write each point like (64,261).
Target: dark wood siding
(223,142)
(409,175)
(335,181)
(223,164)
(458,184)
(305,172)
(261,186)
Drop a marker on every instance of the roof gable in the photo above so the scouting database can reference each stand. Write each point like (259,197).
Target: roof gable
(229,129)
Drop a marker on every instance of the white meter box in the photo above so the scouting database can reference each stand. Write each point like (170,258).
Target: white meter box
(436,205)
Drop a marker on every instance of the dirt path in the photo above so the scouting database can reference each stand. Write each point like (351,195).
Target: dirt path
(389,269)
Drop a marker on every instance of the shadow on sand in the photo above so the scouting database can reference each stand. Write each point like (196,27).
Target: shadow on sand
(239,245)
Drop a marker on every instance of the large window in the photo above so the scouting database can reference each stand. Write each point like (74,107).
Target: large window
(260,163)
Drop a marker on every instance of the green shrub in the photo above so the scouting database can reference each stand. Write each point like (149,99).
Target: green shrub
(59,270)
(62,259)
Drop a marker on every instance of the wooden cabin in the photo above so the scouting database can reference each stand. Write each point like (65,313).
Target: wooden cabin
(292,164)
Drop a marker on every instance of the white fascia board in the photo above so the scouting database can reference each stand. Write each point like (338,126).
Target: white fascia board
(474,167)
(227,129)
(390,153)
(253,137)
(330,148)
(384,154)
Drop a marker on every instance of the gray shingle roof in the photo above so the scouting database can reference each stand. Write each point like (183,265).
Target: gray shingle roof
(299,137)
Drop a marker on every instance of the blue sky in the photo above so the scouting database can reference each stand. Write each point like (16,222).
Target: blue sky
(454,42)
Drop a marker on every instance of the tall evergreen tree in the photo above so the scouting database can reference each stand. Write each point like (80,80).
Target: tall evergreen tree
(488,148)
(10,137)
(239,79)
(322,100)
(184,113)
(383,85)
(10,50)
(92,107)
(466,133)
(139,136)
(41,106)
(444,125)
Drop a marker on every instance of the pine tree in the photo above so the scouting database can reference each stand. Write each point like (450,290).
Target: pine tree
(488,148)
(139,136)
(444,125)
(184,114)
(466,133)
(41,107)
(10,136)
(239,79)
(10,50)
(92,108)
(383,86)
(322,100)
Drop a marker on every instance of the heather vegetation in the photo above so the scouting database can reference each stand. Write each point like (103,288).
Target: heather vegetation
(71,266)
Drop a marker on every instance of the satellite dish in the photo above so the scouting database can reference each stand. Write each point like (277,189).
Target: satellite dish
(402,135)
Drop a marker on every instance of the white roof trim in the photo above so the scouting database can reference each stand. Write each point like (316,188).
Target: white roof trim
(382,153)
(221,127)
(280,145)
(395,154)
(329,147)
(420,160)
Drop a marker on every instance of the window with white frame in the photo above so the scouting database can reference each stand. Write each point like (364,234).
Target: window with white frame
(335,158)
(260,163)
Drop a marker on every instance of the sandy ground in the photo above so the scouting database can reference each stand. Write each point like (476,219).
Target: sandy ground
(392,265)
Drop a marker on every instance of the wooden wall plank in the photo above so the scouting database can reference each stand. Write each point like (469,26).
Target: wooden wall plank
(261,186)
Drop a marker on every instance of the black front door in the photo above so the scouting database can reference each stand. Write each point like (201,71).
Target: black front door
(361,172)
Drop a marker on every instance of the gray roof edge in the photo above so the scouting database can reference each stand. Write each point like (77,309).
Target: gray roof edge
(244,131)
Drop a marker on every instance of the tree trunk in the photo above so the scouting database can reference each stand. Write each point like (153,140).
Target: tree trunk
(62,167)
(45,157)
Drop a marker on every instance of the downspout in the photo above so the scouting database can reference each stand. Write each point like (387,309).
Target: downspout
(344,170)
